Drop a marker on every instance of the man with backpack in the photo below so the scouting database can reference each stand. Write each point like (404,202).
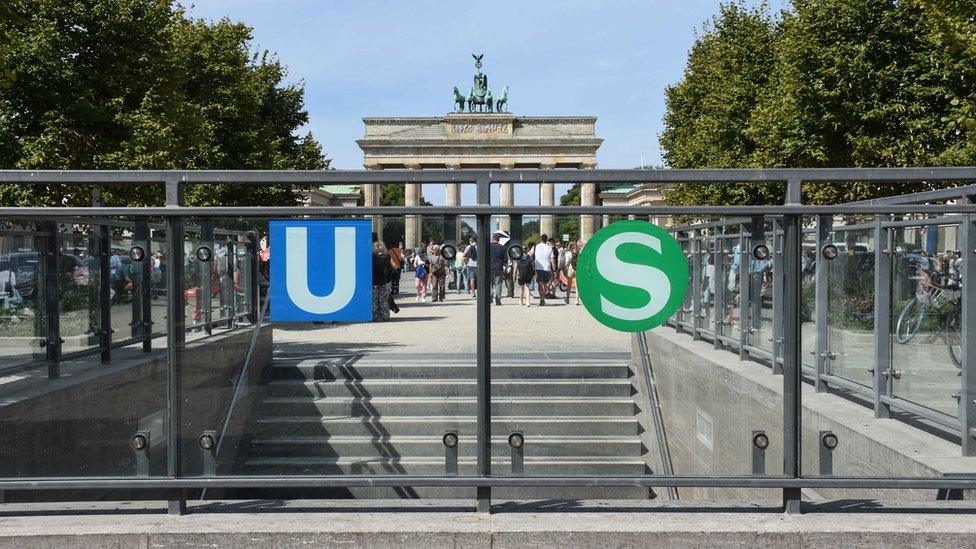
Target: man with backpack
(438,274)
(471,255)
(497,259)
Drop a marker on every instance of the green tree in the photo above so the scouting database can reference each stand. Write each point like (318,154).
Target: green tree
(709,110)
(827,83)
(136,84)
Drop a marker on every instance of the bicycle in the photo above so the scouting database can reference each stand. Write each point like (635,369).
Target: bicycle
(941,299)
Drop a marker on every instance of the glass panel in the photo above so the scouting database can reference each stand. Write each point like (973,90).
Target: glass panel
(22,319)
(709,285)
(808,300)
(78,279)
(926,313)
(730,282)
(78,418)
(850,305)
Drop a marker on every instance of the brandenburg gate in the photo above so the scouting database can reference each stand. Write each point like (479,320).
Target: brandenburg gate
(482,137)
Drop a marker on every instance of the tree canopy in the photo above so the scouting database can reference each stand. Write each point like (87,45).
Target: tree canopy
(137,84)
(826,83)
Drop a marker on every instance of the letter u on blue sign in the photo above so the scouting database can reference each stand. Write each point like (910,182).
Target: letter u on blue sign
(321,270)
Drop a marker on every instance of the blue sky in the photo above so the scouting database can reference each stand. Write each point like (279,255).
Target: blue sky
(611,59)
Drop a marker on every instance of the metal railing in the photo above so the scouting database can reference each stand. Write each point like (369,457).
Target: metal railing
(899,291)
(785,225)
(77,271)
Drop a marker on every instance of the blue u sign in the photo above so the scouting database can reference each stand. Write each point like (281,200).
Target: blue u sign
(321,270)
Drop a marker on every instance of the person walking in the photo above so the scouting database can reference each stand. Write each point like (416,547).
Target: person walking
(420,274)
(396,261)
(438,274)
(544,264)
(570,260)
(471,256)
(460,274)
(524,271)
(497,261)
(381,282)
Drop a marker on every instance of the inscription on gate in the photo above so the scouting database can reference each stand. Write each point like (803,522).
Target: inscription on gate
(480,128)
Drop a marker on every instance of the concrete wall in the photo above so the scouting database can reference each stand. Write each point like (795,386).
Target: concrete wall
(699,385)
(81,424)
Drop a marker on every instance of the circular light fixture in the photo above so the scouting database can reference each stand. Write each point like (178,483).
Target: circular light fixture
(206,441)
(829,252)
(516,440)
(137,253)
(448,251)
(515,252)
(760,440)
(830,441)
(204,253)
(760,252)
(450,440)
(139,442)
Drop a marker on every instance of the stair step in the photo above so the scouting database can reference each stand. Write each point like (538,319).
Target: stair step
(311,369)
(437,425)
(383,406)
(432,446)
(356,465)
(449,387)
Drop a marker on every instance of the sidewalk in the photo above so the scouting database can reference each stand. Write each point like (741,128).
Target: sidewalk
(451,524)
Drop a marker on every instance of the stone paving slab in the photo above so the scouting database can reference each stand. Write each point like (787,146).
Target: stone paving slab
(433,523)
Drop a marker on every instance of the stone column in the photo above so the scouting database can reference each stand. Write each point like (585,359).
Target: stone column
(452,197)
(587,221)
(605,220)
(547,192)
(373,196)
(413,223)
(506,197)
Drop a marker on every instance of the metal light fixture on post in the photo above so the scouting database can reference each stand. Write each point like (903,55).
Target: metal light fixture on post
(517,441)
(760,442)
(828,443)
(450,441)
(140,445)
(137,253)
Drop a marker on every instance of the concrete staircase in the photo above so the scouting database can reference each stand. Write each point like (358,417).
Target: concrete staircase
(374,416)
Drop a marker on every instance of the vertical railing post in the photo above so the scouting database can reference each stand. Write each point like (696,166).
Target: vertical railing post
(105,292)
(679,315)
(778,312)
(103,251)
(696,283)
(792,374)
(882,315)
(718,300)
(49,278)
(967,401)
(483,306)
(175,339)
(205,292)
(253,286)
(142,321)
(821,295)
(757,235)
(743,258)
(227,286)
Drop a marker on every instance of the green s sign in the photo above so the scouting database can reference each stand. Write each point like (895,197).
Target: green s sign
(632,276)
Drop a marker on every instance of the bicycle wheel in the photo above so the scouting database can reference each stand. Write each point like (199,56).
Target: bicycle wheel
(909,321)
(953,335)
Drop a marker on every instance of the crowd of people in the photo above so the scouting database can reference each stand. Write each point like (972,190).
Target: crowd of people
(544,268)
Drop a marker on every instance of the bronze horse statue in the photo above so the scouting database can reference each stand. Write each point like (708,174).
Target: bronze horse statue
(458,100)
(502,102)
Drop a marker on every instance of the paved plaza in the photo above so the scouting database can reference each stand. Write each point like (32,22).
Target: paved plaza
(450,327)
